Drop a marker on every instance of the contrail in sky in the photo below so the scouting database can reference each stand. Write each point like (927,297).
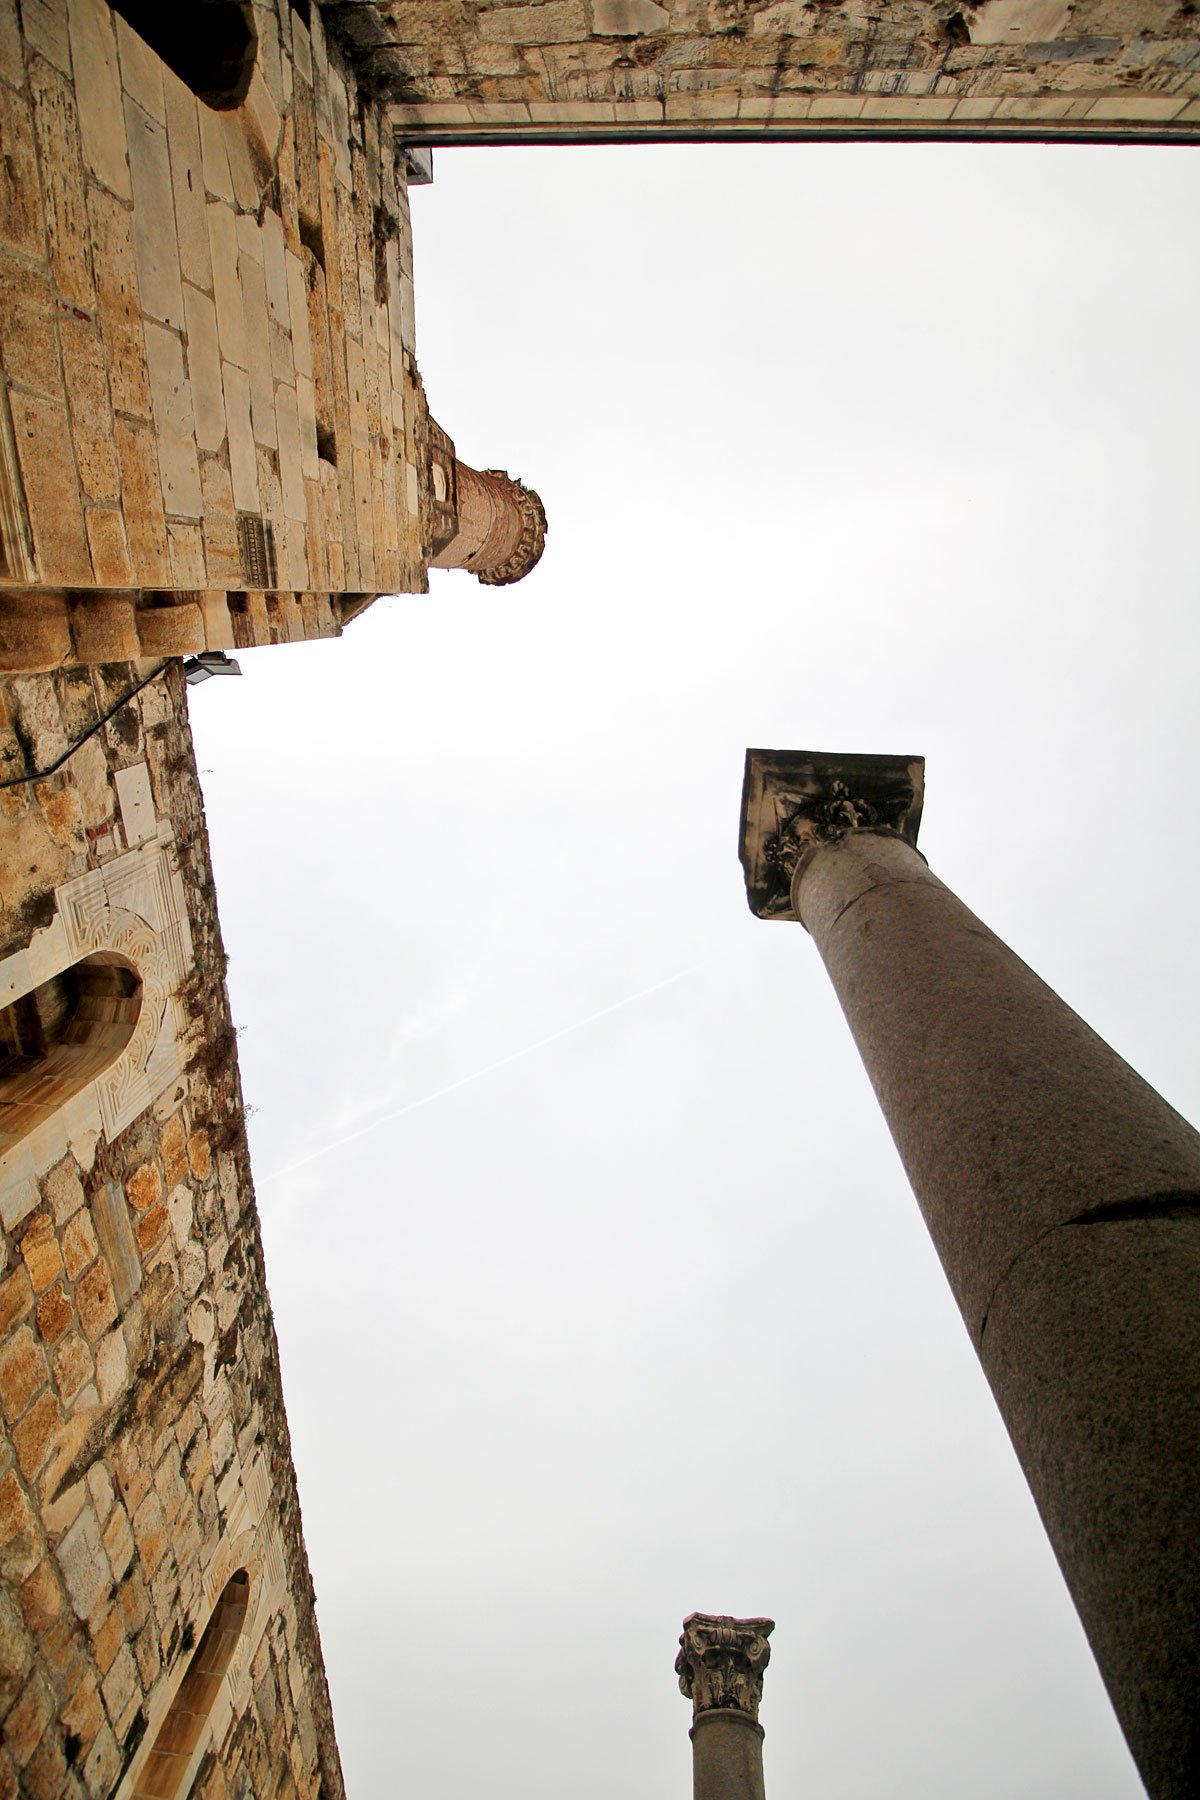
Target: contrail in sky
(452,1087)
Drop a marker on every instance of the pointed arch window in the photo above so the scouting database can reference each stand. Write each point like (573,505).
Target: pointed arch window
(166,1772)
(60,1036)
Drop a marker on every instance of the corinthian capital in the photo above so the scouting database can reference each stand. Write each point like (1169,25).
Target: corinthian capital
(721,1662)
(793,801)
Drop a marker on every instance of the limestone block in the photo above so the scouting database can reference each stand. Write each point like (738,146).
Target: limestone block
(91,414)
(171,630)
(214,155)
(275,270)
(222,554)
(338,130)
(104,629)
(545,22)
(1017,21)
(204,368)
(56,125)
(35,633)
(1147,108)
(186,541)
(108,547)
(135,799)
(218,626)
(227,291)
(307,408)
(43,439)
(252,279)
(141,494)
(28,332)
(175,423)
(12,61)
(98,94)
(297,315)
(262,126)
(156,248)
(302,50)
(141,71)
(628,18)
(120,309)
(187,181)
(243,465)
(248,181)
(20,209)
(291,468)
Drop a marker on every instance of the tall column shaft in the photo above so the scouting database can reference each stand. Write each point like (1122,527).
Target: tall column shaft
(1063,1196)
(727,1760)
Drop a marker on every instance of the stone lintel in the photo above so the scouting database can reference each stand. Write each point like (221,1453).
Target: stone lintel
(795,799)
(721,1662)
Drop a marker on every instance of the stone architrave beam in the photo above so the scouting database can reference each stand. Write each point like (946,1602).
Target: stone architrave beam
(1062,1194)
(720,1667)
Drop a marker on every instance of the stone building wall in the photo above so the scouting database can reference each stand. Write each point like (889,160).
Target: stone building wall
(206,342)
(508,70)
(144,1458)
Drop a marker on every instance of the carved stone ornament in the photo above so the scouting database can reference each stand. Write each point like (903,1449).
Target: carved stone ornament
(793,800)
(532,540)
(721,1662)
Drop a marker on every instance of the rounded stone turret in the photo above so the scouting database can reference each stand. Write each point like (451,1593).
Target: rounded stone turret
(501,527)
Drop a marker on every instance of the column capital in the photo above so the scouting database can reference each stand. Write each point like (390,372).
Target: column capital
(793,800)
(721,1662)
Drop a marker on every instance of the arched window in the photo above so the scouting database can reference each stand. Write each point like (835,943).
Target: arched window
(165,1770)
(57,1038)
(210,44)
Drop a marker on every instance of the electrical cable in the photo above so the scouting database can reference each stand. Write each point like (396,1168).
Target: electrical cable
(54,767)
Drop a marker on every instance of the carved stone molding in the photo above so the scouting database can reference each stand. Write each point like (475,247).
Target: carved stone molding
(133,906)
(721,1662)
(793,800)
(136,905)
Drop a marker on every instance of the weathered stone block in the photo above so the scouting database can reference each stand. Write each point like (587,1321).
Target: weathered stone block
(43,439)
(108,548)
(98,94)
(20,208)
(104,630)
(36,1434)
(23,1372)
(57,128)
(94,1301)
(120,308)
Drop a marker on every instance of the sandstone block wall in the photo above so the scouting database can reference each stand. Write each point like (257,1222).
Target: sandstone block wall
(144,1455)
(472,70)
(206,333)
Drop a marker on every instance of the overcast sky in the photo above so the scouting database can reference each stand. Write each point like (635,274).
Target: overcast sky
(600,1291)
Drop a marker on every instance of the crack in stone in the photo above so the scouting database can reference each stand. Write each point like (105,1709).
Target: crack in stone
(1174,1204)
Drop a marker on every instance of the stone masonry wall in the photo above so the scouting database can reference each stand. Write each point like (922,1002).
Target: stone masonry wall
(144,1456)
(471,70)
(206,329)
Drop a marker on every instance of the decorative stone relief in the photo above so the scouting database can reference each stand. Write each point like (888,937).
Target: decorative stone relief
(721,1662)
(135,906)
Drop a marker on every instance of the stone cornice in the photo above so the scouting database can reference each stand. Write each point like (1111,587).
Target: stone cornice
(721,1662)
(793,800)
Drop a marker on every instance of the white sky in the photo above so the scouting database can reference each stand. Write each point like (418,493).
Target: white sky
(845,448)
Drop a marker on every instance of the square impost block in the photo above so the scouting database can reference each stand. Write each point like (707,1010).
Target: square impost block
(793,800)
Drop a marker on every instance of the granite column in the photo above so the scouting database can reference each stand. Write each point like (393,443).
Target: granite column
(1062,1194)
